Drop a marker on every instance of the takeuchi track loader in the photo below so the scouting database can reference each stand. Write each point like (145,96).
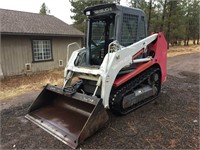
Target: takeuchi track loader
(120,69)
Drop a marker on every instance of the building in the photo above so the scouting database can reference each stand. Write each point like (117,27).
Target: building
(32,42)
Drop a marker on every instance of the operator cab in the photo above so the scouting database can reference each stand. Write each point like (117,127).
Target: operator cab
(109,22)
(101,35)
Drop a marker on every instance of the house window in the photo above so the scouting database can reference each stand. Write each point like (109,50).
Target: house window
(42,50)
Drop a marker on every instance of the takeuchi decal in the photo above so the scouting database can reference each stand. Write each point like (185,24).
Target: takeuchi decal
(103,10)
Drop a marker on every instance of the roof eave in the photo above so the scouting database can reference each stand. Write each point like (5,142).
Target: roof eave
(42,34)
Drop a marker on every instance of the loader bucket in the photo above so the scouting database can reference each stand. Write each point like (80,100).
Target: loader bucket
(70,119)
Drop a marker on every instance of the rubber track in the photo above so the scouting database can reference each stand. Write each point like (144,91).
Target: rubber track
(118,93)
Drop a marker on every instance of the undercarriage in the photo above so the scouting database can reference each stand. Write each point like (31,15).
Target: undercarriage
(137,92)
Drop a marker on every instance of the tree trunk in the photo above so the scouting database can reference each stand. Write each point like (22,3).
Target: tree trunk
(194,41)
(163,15)
(188,34)
(169,23)
(149,17)
(185,42)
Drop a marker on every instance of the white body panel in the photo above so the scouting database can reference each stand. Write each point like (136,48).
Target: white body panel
(111,65)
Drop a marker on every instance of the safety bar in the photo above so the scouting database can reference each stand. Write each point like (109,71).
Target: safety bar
(74,43)
(117,47)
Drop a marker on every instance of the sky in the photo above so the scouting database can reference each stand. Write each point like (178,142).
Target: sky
(58,8)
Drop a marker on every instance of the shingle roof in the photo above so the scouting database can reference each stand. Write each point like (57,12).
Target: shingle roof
(17,22)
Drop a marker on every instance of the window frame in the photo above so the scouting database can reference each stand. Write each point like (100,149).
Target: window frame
(41,39)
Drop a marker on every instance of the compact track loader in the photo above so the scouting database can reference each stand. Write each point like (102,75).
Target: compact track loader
(121,69)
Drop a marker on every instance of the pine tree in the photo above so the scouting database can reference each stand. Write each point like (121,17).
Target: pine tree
(44,9)
(179,20)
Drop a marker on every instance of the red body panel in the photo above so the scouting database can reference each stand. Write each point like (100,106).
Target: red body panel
(160,58)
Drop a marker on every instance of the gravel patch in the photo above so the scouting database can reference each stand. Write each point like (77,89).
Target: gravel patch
(172,121)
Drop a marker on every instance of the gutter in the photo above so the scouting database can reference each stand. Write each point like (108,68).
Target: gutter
(41,34)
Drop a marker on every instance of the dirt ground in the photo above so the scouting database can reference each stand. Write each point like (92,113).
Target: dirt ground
(18,85)
(171,122)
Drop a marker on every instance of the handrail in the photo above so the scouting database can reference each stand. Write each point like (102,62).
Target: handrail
(109,49)
(74,43)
